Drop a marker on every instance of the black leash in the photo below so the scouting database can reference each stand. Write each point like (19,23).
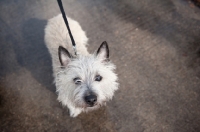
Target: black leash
(67,24)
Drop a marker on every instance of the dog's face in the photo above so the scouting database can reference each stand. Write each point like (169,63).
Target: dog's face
(86,81)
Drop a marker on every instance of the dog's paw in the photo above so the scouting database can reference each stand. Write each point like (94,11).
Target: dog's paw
(74,112)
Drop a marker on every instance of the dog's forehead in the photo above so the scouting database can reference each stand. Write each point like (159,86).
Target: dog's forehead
(91,63)
(86,65)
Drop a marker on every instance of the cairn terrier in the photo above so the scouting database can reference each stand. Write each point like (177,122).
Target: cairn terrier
(83,82)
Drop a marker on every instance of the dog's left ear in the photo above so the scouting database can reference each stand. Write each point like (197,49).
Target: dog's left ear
(103,51)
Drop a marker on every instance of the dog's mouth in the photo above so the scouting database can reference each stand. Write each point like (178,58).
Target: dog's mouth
(91,105)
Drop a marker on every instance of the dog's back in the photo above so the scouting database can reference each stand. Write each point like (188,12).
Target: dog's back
(56,35)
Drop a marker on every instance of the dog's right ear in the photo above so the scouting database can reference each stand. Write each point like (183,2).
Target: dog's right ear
(64,56)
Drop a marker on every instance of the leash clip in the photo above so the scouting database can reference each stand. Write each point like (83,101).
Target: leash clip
(75,51)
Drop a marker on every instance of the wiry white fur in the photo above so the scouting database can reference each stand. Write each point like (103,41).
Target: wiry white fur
(86,66)
(56,35)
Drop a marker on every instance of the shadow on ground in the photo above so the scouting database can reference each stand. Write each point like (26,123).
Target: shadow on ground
(33,54)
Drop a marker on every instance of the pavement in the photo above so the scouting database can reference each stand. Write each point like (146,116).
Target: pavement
(155,45)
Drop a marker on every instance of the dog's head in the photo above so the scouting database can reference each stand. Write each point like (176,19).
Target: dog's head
(86,81)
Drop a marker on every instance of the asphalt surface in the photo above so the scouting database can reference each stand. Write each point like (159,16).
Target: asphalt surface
(154,43)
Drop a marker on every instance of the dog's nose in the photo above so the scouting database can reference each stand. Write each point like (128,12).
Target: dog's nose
(91,99)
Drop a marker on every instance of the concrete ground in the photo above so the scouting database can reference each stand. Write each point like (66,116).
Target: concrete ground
(154,43)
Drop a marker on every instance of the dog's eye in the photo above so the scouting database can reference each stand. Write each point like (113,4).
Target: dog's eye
(77,80)
(98,78)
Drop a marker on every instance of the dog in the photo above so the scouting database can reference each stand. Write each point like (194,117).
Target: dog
(83,82)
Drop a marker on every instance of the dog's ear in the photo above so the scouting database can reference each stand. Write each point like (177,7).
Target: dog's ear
(103,51)
(64,56)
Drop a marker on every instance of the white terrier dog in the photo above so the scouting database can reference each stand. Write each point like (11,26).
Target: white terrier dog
(83,82)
